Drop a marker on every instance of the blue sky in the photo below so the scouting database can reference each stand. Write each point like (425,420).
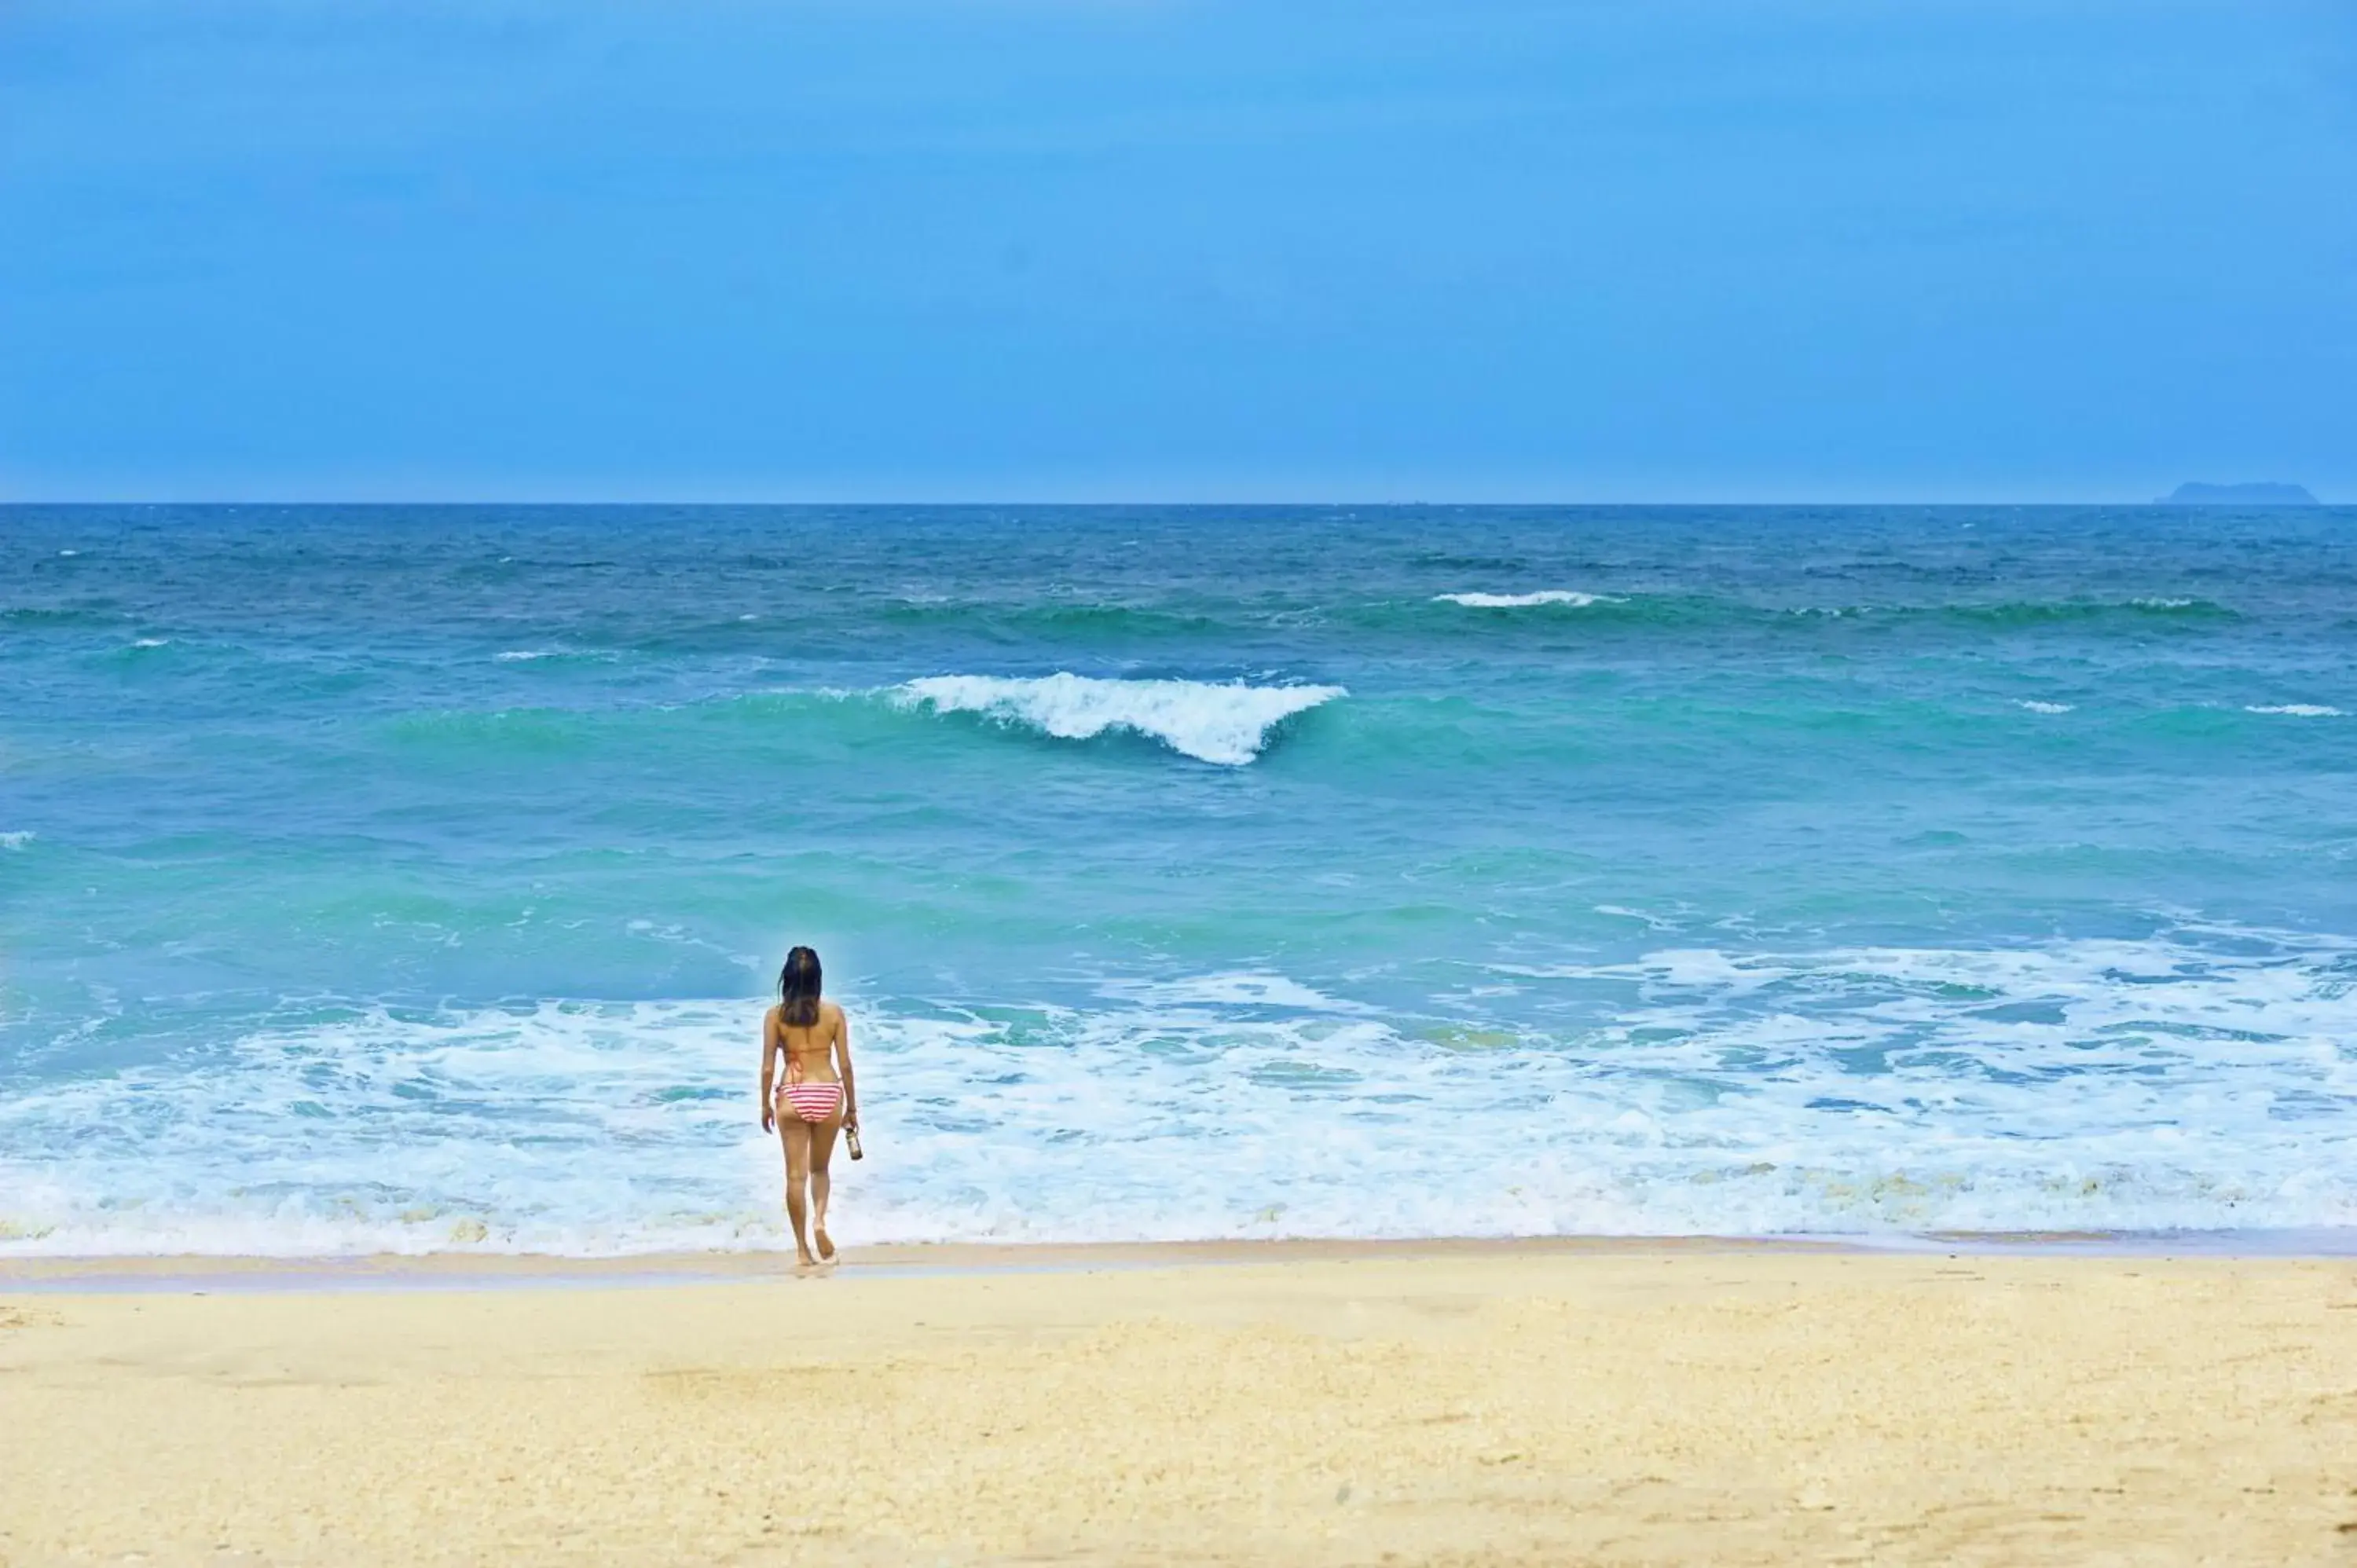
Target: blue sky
(1057,249)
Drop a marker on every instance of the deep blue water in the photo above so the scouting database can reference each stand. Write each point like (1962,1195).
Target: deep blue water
(409,877)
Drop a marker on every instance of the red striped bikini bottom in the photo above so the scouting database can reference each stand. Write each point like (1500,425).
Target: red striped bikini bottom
(813,1100)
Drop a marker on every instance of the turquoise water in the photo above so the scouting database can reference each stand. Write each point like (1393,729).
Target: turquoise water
(409,877)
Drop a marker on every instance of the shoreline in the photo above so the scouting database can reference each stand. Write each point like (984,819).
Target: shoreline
(454,1270)
(494,1271)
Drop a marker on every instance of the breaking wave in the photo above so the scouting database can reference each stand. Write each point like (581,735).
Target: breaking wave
(1570,596)
(1225,723)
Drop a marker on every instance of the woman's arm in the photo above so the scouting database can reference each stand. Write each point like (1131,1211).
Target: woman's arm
(769,1075)
(842,1066)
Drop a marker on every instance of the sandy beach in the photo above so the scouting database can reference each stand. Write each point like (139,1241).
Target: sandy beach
(1470,1404)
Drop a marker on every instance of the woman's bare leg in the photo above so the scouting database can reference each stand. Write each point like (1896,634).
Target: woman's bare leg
(822,1150)
(795,1134)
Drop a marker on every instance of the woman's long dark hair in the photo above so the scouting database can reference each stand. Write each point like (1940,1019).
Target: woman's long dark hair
(798,989)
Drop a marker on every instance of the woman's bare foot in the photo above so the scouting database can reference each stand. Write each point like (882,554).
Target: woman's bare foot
(803,1261)
(826,1245)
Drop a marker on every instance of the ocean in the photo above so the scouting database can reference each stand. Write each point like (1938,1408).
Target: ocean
(410,878)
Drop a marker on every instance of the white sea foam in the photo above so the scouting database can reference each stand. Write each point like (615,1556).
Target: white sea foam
(2037,708)
(1623,912)
(68,552)
(151,642)
(17,839)
(2297,710)
(1477,601)
(2157,604)
(1238,990)
(538,655)
(2172,1083)
(1226,722)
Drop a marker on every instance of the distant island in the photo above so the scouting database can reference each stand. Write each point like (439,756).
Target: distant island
(2238,494)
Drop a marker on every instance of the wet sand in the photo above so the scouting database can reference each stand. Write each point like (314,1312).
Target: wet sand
(1470,1403)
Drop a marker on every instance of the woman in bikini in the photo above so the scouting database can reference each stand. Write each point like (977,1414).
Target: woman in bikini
(816,1098)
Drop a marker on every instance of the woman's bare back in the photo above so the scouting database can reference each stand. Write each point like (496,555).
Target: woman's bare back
(809,1049)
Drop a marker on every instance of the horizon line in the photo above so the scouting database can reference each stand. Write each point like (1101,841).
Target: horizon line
(2160,503)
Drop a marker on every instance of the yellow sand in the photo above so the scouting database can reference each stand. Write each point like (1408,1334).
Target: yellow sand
(1647,1405)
